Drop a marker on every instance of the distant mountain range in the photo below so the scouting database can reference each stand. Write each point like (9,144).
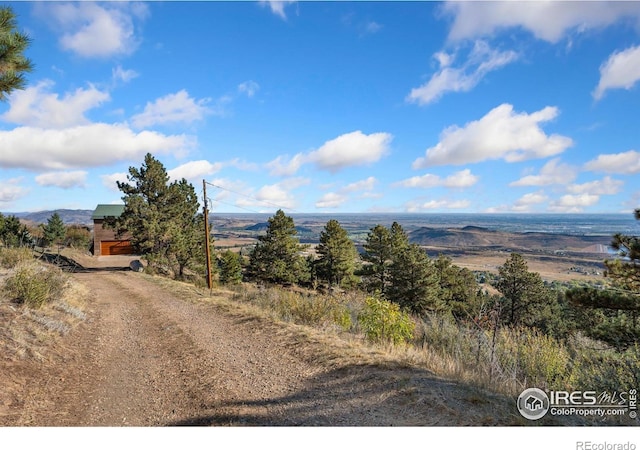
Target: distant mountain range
(68,216)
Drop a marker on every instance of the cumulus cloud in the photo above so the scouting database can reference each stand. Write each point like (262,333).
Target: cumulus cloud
(331,200)
(347,150)
(553,172)
(83,146)
(249,88)
(194,170)
(462,179)
(620,71)
(64,180)
(172,108)
(606,186)
(500,134)
(93,30)
(37,106)
(351,149)
(573,203)
(361,186)
(110,180)
(482,60)
(10,190)
(549,21)
(525,202)
(278,6)
(622,163)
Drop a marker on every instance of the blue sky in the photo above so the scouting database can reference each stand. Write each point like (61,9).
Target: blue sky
(331,106)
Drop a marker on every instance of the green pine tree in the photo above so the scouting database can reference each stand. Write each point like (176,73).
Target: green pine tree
(162,218)
(378,252)
(230,267)
(13,233)
(414,281)
(276,257)
(13,63)
(54,230)
(337,259)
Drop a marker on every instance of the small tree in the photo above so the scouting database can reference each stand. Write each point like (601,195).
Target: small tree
(526,297)
(377,257)
(13,233)
(230,268)
(13,63)
(54,230)
(337,254)
(276,257)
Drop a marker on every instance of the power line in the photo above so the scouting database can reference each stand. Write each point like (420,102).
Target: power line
(251,198)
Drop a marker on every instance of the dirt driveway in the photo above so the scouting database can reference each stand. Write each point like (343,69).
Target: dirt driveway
(147,357)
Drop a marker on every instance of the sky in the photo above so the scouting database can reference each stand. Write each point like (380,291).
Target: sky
(330,107)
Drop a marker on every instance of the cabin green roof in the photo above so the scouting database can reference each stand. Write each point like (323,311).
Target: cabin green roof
(103,211)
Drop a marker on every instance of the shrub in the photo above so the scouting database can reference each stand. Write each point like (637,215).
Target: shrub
(383,321)
(11,257)
(33,285)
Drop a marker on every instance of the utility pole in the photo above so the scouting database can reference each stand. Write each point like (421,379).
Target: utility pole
(206,235)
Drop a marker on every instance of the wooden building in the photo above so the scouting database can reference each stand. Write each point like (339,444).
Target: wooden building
(105,241)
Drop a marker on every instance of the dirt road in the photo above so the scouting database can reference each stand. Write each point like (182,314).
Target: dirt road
(147,357)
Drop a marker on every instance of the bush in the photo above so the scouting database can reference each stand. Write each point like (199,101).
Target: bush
(11,257)
(383,321)
(34,285)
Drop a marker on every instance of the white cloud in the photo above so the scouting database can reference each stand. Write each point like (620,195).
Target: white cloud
(194,170)
(623,163)
(361,186)
(278,6)
(481,61)
(10,190)
(120,74)
(573,203)
(249,88)
(500,134)
(347,150)
(110,180)
(437,204)
(36,106)
(64,180)
(461,179)
(281,167)
(552,172)
(83,146)
(606,186)
(550,21)
(172,108)
(331,200)
(525,202)
(620,71)
(351,149)
(92,30)
(270,196)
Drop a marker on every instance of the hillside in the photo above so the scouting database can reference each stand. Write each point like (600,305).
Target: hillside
(68,216)
(472,237)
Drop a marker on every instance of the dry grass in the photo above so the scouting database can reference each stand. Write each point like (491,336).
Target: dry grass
(30,333)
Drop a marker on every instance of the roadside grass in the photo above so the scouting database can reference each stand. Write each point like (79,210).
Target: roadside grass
(38,304)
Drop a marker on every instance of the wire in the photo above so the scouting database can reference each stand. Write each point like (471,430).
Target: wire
(249,197)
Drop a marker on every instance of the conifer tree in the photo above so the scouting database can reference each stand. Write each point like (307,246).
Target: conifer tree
(525,295)
(621,301)
(378,252)
(276,257)
(13,63)
(230,268)
(414,281)
(337,254)
(13,233)
(54,230)
(162,218)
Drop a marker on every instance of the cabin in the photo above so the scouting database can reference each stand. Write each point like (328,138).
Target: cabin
(105,241)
